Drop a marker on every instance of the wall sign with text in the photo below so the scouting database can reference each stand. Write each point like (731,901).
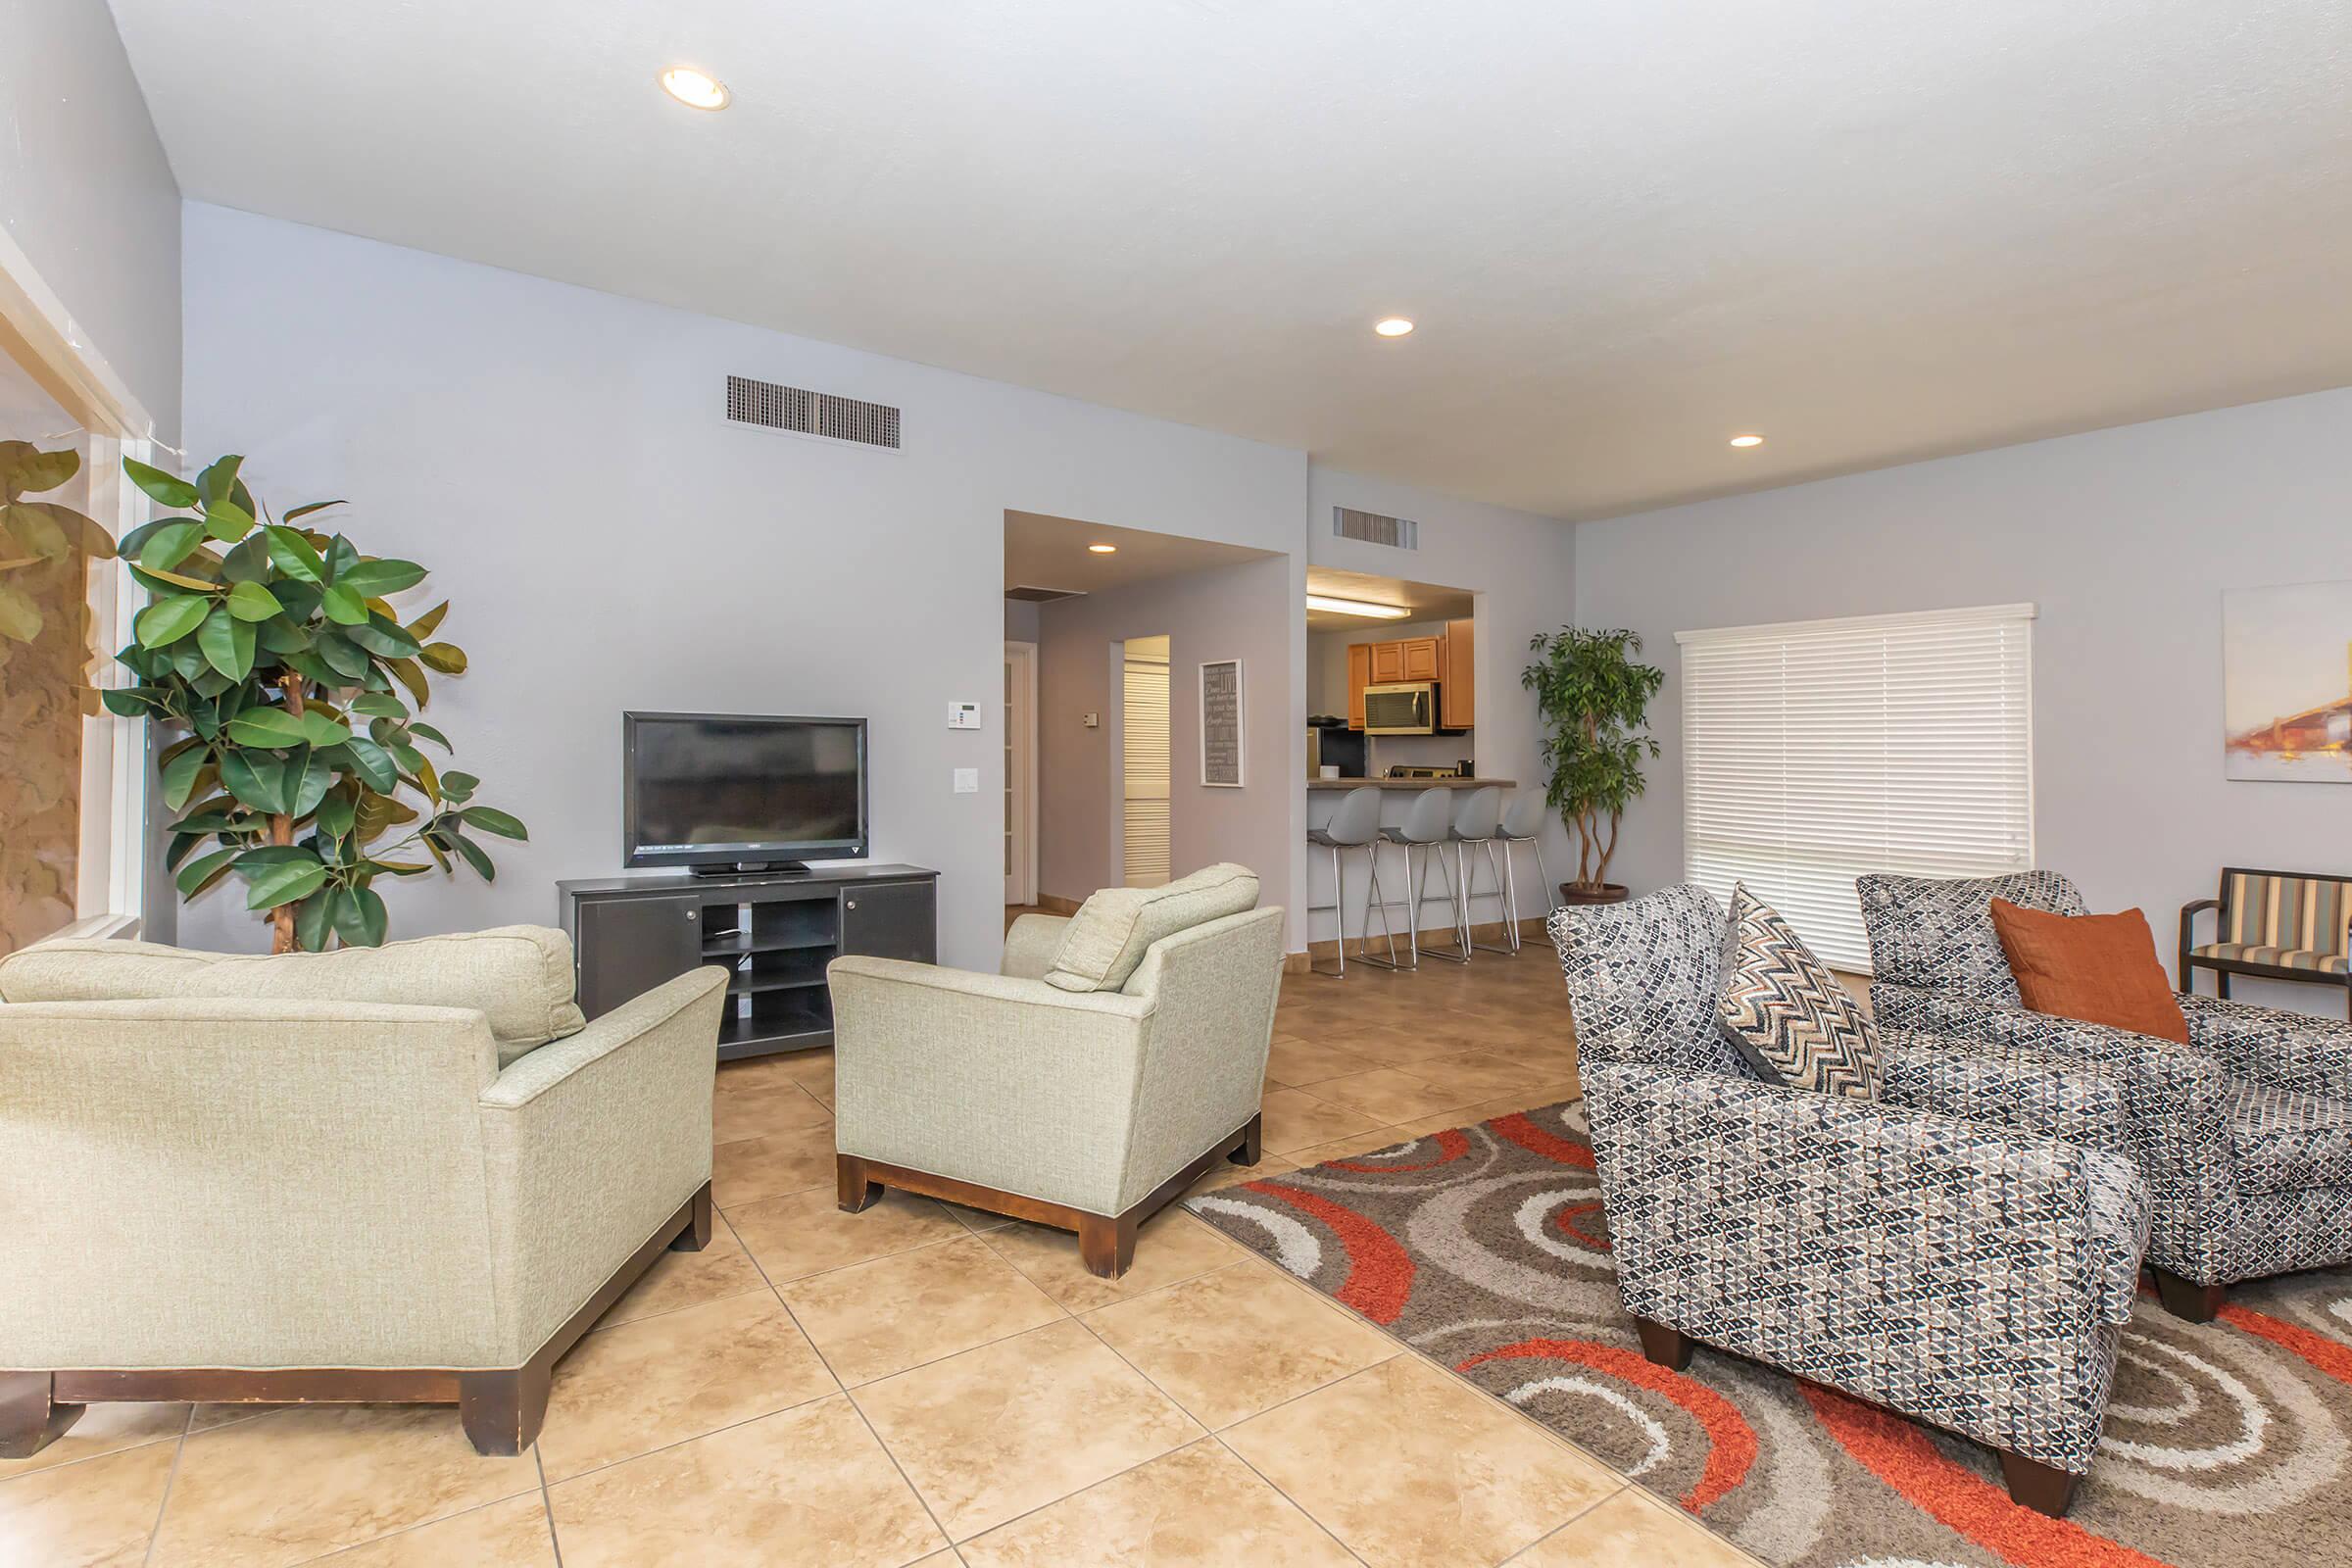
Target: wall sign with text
(1222,723)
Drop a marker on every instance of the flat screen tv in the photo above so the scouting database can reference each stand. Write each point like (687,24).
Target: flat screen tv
(729,792)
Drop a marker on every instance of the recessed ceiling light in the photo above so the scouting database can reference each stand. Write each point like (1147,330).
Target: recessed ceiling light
(1747,440)
(1356,607)
(696,89)
(1104,550)
(1391,326)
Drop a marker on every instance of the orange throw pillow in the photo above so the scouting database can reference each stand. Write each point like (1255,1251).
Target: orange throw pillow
(2094,969)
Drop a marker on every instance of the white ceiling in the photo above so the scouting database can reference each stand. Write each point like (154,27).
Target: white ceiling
(1043,552)
(1426,601)
(1628,228)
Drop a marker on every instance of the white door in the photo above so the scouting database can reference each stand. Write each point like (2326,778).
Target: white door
(1144,739)
(1020,773)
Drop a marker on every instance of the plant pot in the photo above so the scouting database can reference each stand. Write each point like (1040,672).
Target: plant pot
(1606,893)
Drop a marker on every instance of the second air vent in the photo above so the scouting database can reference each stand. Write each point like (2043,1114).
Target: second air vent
(1373,528)
(804,412)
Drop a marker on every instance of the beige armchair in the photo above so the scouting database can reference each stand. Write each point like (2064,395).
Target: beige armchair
(1119,1055)
(309,1178)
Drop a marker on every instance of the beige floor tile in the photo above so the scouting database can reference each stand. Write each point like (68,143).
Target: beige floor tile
(1231,1175)
(1197,1507)
(996,1432)
(1410,1467)
(762,1112)
(1391,1094)
(1551,1094)
(1296,1119)
(1391,1045)
(1300,1062)
(765,1072)
(689,1279)
(95,1514)
(877,1318)
(1351,1147)
(750,1170)
(1481,1075)
(806,1233)
(104,1429)
(1229,1344)
(624,1390)
(975,1220)
(806,1486)
(512,1534)
(1631,1528)
(302,1482)
(209,1416)
(1172,1246)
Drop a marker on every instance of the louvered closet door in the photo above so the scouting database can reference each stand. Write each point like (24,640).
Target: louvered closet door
(1816,751)
(1146,739)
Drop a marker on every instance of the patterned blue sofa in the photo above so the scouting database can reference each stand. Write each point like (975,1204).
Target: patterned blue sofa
(2244,1136)
(1950,1252)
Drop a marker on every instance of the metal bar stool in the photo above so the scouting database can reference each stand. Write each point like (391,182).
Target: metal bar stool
(1477,821)
(1354,825)
(1523,823)
(1428,826)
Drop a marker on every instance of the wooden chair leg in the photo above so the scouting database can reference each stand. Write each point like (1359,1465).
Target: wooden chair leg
(2186,1299)
(1107,1245)
(1251,1148)
(2043,1488)
(857,1194)
(2221,984)
(1662,1346)
(503,1411)
(30,1420)
(697,1233)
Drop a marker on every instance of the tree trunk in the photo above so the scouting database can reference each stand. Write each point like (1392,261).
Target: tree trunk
(281,831)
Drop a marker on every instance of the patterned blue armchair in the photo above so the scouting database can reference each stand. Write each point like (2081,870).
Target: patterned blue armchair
(1950,1251)
(2244,1136)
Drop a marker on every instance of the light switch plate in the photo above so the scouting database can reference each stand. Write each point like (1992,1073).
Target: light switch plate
(963,715)
(967,781)
(1093,721)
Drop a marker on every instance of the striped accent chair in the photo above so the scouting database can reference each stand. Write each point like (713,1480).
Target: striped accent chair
(2280,925)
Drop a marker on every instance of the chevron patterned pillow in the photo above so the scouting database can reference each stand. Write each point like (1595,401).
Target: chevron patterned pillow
(1787,1015)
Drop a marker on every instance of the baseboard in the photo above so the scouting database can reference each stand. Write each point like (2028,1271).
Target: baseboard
(1443,936)
(1055,904)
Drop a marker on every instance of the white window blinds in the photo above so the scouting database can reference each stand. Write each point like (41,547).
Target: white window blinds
(1816,751)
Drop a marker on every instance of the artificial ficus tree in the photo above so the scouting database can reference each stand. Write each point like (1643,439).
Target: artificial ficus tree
(1593,698)
(276,649)
(33,533)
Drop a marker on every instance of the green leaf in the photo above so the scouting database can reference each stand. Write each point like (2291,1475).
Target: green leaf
(128,702)
(227,644)
(250,600)
(309,787)
(167,620)
(225,520)
(335,650)
(313,918)
(171,545)
(282,636)
(447,658)
(359,917)
(406,672)
(424,731)
(218,483)
(492,820)
(205,870)
(247,560)
(383,637)
(265,726)
(282,881)
(164,582)
(341,555)
(458,788)
(179,775)
(336,814)
(374,579)
(475,855)
(343,606)
(312,668)
(157,483)
(378,705)
(307,508)
(292,554)
(19,617)
(373,763)
(255,778)
(321,729)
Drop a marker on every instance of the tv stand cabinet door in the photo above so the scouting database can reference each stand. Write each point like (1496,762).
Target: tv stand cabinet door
(629,945)
(890,920)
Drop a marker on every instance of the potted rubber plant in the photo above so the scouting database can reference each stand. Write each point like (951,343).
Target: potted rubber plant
(274,648)
(1592,698)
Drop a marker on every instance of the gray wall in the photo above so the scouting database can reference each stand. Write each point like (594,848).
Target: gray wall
(1245,612)
(2125,539)
(560,457)
(86,194)
(1020,621)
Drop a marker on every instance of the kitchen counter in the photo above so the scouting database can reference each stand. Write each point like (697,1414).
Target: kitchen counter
(1410,783)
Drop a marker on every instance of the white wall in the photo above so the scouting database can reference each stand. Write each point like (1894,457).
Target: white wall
(559,458)
(2125,539)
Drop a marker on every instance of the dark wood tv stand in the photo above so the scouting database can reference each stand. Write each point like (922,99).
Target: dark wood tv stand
(775,931)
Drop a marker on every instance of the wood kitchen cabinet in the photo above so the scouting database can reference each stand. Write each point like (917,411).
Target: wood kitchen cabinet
(1449,661)
(1458,680)
(1388,662)
(1419,658)
(1359,675)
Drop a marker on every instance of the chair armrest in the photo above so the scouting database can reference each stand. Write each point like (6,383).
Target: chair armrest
(2001,1085)
(1030,946)
(591,1142)
(2270,1046)
(1820,1235)
(2188,924)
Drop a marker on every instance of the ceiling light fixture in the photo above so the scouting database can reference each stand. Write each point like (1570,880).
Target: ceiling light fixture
(1356,607)
(696,89)
(1103,550)
(1391,326)
(1747,440)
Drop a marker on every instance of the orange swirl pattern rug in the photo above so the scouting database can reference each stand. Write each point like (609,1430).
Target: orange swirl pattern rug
(2228,1444)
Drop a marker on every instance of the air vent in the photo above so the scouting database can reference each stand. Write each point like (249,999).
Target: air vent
(804,412)
(1403,533)
(1043,596)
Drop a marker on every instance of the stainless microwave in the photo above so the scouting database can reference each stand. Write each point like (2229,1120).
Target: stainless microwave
(1401,708)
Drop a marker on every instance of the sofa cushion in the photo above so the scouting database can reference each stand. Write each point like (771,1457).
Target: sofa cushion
(1787,1014)
(2092,968)
(1115,927)
(1937,932)
(2281,1140)
(519,977)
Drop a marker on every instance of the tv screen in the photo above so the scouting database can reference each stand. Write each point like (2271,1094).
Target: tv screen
(720,789)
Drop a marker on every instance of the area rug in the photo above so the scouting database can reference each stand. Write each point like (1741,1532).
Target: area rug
(1486,1249)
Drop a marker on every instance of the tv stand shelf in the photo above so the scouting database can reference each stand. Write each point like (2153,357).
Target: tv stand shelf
(773,931)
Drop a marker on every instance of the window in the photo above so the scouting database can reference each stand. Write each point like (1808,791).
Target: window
(1816,751)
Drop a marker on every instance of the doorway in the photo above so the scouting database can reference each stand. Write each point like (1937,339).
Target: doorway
(1020,773)
(1143,760)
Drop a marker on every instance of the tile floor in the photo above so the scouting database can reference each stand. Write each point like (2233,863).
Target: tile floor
(926,1384)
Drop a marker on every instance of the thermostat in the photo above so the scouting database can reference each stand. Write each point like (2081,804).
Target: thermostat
(963,715)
